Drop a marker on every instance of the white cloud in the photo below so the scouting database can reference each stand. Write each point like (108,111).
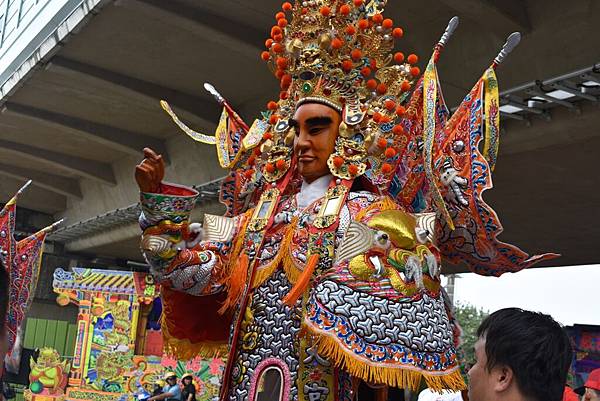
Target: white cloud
(570,294)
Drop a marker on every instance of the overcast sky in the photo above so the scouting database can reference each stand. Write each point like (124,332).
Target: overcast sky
(570,294)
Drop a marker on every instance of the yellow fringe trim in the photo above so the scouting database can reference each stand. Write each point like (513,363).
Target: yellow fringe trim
(331,349)
(184,349)
(230,275)
(264,273)
(292,271)
(283,256)
(238,245)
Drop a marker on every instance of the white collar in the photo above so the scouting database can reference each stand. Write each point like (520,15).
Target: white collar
(310,192)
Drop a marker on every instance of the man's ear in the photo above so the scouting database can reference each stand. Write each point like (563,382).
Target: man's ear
(503,377)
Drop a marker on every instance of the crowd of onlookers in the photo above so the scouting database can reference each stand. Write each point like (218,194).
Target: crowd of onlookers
(168,389)
(520,356)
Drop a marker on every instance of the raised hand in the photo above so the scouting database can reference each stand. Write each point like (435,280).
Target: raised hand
(150,172)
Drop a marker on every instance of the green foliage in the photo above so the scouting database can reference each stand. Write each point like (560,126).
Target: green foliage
(180,370)
(469,317)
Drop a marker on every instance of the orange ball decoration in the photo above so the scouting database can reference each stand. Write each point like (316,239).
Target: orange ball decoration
(350,30)
(386,168)
(279,15)
(265,56)
(272,105)
(338,161)
(415,71)
(280,164)
(385,120)
(363,24)
(397,33)
(304,11)
(275,30)
(413,59)
(390,105)
(373,64)
(365,71)
(345,9)
(248,174)
(273,119)
(257,151)
(399,57)
(371,84)
(278,48)
(387,23)
(381,88)
(358,3)
(286,6)
(398,130)
(279,74)
(400,110)
(281,63)
(390,152)
(267,136)
(286,80)
(325,11)
(268,43)
(252,160)
(347,65)
(337,43)
(377,117)
(405,86)
(381,142)
(356,54)
(278,37)
(352,169)
(270,168)
(283,95)
(282,23)
(377,18)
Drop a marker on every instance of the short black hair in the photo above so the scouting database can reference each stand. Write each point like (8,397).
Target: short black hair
(534,346)
(3,297)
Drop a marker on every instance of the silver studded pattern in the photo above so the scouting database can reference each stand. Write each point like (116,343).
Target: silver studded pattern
(421,325)
(278,328)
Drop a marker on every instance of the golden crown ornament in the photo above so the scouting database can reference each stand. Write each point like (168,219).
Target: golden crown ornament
(339,53)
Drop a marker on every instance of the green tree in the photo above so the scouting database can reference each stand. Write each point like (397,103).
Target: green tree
(469,317)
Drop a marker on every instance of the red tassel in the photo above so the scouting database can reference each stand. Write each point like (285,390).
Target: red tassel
(302,284)
(236,283)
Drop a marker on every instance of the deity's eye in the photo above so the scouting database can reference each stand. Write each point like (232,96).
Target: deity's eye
(382,239)
(204,257)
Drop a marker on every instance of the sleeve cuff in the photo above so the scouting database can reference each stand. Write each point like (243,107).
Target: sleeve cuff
(174,202)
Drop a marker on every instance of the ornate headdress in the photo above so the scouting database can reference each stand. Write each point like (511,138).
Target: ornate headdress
(339,53)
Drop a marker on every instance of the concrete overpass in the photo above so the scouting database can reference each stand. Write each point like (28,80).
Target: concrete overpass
(80,100)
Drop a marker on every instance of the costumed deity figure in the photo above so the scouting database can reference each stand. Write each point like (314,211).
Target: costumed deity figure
(342,200)
(48,374)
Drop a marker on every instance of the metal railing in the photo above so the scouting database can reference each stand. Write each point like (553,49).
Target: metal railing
(537,98)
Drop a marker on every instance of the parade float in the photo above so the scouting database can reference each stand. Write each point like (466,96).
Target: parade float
(118,349)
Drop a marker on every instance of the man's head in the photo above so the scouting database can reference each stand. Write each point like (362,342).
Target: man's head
(520,355)
(170,378)
(317,127)
(3,308)
(591,390)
